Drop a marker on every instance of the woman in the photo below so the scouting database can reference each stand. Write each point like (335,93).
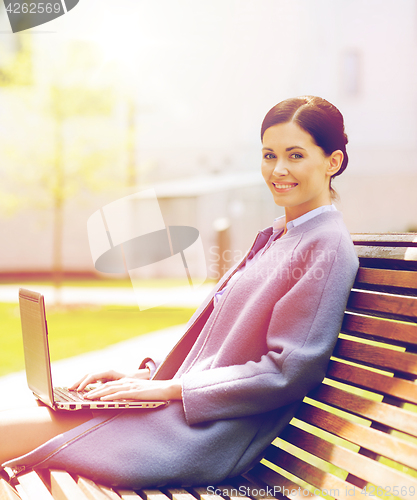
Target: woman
(251,352)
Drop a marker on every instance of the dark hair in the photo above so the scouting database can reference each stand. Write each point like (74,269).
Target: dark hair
(318,117)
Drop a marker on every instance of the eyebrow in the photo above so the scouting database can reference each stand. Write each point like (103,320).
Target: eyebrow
(287,149)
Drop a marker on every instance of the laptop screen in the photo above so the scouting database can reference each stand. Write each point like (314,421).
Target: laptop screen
(35,344)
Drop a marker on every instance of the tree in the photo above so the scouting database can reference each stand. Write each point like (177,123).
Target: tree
(73,141)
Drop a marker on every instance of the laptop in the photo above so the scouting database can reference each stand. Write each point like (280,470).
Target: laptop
(38,365)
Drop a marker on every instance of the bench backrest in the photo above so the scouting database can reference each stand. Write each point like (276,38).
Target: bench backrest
(357,432)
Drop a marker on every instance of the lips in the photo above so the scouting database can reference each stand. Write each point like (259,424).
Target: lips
(284,186)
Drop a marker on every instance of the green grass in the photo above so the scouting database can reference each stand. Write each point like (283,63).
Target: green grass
(112,283)
(75,330)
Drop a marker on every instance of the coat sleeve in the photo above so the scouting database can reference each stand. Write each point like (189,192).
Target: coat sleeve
(151,364)
(302,332)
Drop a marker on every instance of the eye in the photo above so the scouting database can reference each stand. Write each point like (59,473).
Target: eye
(269,156)
(297,156)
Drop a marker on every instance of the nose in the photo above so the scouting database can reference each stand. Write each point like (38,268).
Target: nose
(280,168)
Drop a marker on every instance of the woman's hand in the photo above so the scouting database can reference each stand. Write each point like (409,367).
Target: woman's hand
(133,388)
(107,376)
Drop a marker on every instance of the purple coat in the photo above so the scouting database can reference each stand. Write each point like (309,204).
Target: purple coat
(244,366)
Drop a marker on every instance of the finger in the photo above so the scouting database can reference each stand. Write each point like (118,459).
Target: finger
(83,382)
(92,378)
(88,379)
(75,385)
(108,388)
(123,394)
(123,382)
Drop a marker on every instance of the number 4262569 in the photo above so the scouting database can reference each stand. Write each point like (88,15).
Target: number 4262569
(33,8)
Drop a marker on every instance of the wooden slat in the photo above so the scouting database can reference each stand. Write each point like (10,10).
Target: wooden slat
(91,490)
(154,494)
(179,494)
(396,418)
(202,494)
(63,487)
(379,442)
(378,357)
(366,379)
(282,485)
(368,326)
(21,492)
(335,487)
(386,277)
(231,492)
(7,492)
(396,306)
(385,238)
(354,463)
(255,490)
(109,492)
(387,253)
(34,487)
(128,494)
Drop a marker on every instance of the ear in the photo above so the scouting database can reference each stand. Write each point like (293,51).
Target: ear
(335,162)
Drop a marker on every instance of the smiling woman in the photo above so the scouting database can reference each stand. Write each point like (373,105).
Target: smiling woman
(323,126)
(296,170)
(255,347)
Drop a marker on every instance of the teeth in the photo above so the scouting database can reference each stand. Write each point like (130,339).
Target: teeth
(284,186)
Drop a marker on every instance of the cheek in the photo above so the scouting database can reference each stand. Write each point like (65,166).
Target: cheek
(265,170)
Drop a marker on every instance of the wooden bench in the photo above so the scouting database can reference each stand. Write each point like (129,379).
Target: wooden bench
(355,436)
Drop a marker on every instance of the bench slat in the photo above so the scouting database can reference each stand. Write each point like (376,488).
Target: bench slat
(21,492)
(7,492)
(407,239)
(230,492)
(398,307)
(179,494)
(377,357)
(370,380)
(202,494)
(128,494)
(386,277)
(396,418)
(154,494)
(350,461)
(109,492)
(90,489)
(369,326)
(282,484)
(63,487)
(379,442)
(399,253)
(34,487)
(255,490)
(320,479)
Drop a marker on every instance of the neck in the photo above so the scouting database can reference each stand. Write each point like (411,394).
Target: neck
(292,213)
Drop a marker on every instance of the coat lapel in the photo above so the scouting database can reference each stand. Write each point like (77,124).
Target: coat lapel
(176,357)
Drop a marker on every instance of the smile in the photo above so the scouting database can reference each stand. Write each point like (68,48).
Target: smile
(284,187)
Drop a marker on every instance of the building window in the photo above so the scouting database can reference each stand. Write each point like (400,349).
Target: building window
(351,72)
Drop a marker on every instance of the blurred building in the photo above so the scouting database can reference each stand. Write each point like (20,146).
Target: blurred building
(201,82)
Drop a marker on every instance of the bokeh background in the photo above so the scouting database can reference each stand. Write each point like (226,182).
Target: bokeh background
(119,95)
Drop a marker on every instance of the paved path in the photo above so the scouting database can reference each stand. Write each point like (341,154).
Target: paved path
(181,296)
(124,356)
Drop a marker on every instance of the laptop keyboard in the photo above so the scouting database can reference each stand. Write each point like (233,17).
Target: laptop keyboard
(67,395)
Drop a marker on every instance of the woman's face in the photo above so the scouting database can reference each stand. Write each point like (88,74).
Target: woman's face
(296,170)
